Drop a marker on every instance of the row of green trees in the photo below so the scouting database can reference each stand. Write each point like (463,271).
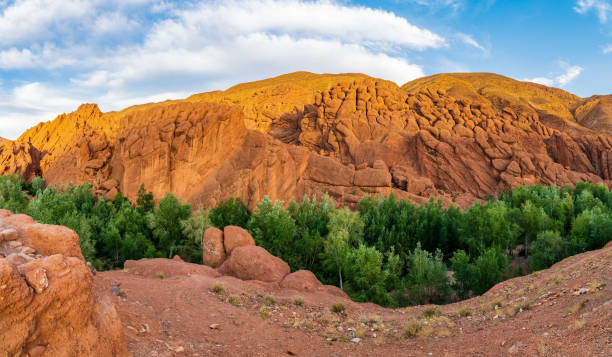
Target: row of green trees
(387,251)
(395,253)
(111,232)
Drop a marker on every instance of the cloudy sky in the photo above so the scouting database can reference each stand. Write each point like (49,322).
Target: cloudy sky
(56,54)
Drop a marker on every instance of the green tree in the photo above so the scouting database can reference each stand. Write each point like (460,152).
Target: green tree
(311,219)
(546,250)
(592,229)
(12,197)
(463,271)
(366,277)
(38,184)
(231,212)
(488,225)
(166,224)
(489,269)
(533,220)
(273,228)
(145,200)
(193,229)
(426,280)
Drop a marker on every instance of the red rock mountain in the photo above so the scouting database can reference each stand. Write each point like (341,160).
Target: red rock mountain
(454,136)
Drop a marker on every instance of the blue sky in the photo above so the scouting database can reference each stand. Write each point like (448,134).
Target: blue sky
(56,54)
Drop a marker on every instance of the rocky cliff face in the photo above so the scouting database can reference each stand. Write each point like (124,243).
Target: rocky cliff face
(47,304)
(457,138)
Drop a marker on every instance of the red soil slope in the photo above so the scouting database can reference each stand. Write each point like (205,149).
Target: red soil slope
(563,311)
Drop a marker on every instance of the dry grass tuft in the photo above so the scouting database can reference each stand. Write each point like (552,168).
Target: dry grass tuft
(264,314)
(298,301)
(577,307)
(338,308)
(218,288)
(432,311)
(269,300)
(578,324)
(465,312)
(235,300)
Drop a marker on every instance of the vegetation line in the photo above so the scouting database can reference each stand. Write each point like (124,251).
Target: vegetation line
(389,252)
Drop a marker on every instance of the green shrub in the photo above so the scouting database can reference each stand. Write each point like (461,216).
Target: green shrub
(231,212)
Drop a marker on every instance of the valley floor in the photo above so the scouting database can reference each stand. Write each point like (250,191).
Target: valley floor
(563,311)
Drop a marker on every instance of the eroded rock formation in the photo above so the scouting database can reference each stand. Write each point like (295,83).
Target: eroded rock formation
(47,307)
(456,138)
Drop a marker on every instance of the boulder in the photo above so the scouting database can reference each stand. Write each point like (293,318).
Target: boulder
(48,303)
(301,280)
(234,237)
(254,263)
(213,251)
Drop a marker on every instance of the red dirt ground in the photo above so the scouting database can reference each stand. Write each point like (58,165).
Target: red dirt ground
(171,315)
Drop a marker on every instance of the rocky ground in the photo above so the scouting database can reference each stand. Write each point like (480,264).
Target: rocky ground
(52,304)
(168,310)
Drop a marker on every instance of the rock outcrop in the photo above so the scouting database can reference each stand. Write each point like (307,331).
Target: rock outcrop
(47,306)
(234,237)
(213,250)
(217,245)
(254,263)
(455,137)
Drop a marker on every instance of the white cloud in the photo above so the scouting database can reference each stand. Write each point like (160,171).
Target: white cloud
(111,52)
(601,7)
(14,58)
(326,19)
(570,73)
(238,39)
(27,20)
(453,4)
(607,49)
(542,80)
(29,104)
(469,40)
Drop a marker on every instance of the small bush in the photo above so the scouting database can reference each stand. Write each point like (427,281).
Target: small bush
(298,301)
(432,311)
(360,332)
(577,307)
(269,300)
(264,314)
(217,288)
(234,300)
(338,308)
(413,329)
(578,324)
(160,275)
(465,312)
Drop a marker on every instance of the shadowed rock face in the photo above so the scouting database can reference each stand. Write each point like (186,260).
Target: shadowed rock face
(47,303)
(347,135)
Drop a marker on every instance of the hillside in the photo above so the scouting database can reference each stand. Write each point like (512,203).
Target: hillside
(556,108)
(564,310)
(458,137)
(166,307)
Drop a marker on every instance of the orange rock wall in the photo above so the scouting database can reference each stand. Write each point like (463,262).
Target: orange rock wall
(349,138)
